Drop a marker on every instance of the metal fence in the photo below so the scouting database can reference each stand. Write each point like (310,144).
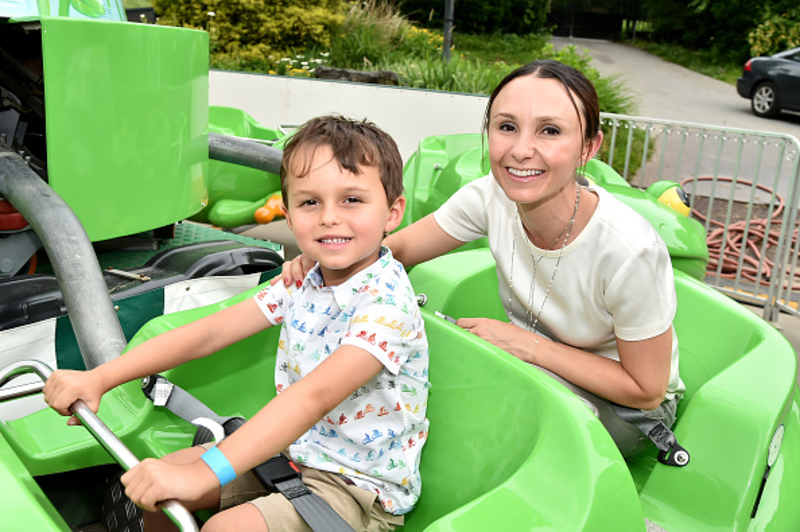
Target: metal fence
(742,187)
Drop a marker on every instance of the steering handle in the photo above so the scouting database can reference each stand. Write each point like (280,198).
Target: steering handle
(173,509)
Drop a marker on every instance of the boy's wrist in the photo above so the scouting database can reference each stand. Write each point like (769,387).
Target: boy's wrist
(101,378)
(218,463)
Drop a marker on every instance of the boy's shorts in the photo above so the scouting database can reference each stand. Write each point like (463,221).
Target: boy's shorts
(359,507)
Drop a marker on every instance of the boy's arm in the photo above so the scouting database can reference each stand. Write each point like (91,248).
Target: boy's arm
(284,419)
(165,351)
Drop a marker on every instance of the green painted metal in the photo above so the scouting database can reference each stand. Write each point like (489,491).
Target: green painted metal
(127,117)
(235,192)
(510,448)
(443,164)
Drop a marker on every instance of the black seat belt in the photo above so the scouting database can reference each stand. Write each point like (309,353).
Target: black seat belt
(670,453)
(278,474)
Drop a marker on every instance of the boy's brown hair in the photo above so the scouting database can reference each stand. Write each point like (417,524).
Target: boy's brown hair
(355,144)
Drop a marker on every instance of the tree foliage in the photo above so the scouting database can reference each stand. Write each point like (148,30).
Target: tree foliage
(723,27)
(776,33)
(480,16)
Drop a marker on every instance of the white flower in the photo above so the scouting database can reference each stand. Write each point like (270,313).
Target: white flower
(212,14)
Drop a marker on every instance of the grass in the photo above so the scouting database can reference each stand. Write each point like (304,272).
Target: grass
(509,49)
(701,61)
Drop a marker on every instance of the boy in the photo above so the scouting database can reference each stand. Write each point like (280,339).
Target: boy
(352,364)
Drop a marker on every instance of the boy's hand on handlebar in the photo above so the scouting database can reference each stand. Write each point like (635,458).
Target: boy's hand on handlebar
(64,387)
(294,271)
(153,481)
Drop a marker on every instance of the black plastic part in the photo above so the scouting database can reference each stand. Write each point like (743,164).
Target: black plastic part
(202,435)
(232,424)
(676,456)
(276,470)
(118,511)
(32,298)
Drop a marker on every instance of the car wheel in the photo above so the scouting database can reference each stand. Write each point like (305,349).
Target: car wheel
(765,100)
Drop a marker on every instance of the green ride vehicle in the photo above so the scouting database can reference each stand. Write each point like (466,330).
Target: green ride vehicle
(128,142)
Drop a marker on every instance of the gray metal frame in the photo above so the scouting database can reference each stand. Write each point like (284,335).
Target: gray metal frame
(736,172)
(179,515)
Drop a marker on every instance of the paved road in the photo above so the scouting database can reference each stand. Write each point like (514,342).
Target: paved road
(669,91)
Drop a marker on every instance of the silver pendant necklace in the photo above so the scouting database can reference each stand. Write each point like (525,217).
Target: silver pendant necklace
(532,321)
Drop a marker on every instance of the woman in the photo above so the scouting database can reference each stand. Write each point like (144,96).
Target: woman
(586,281)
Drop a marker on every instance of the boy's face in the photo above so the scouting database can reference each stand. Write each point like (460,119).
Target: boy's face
(338,218)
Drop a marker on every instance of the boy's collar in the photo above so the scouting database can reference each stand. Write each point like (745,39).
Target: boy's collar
(314,276)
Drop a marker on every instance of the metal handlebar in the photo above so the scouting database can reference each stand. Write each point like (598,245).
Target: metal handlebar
(173,509)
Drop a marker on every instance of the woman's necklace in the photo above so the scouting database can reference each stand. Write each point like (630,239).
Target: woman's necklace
(530,321)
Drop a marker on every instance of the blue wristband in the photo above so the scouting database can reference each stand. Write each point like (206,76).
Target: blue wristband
(216,460)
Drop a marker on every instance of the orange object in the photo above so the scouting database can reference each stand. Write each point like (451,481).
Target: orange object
(10,219)
(271,210)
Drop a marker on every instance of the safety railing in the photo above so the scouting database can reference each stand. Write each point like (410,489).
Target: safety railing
(742,186)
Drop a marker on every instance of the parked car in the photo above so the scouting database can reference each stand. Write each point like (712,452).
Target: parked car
(772,83)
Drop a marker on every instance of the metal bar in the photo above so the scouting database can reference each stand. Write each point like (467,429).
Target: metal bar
(769,306)
(748,217)
(21,390)
(666,132)
(729,211)
(173,509)
(645,151)
(97,329)
(614,126)
(244,153)
(776,279)
(631,127)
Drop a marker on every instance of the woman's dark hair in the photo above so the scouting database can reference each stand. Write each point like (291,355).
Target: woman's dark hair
(573,81)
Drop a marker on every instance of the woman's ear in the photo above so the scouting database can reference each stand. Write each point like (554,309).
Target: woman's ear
(396,211)
(592,147)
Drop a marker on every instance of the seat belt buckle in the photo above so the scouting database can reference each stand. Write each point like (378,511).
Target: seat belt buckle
(277,469)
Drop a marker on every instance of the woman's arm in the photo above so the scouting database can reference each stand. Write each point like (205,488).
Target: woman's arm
(421,241)
(638,380)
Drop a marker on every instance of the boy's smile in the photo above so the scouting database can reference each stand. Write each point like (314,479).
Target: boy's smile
(338,218)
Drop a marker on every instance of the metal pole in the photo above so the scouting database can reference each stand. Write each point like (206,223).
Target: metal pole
(448,29)
(244,153)
(78,273)
(124,457)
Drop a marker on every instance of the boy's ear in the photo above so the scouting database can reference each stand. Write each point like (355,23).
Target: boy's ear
(286,215)
(396,211)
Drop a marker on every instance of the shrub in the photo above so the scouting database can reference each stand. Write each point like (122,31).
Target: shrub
(374,32)
(457,75)
(243,32)
(776,34)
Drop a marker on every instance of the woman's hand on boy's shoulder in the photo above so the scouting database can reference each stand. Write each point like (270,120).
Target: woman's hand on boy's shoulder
(64,387)
(294,271)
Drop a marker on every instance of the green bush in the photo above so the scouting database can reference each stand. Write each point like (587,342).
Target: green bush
(457,75)
(776,34)
(243,32)
(375,33)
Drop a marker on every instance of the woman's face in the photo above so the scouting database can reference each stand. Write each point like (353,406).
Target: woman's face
(535,140)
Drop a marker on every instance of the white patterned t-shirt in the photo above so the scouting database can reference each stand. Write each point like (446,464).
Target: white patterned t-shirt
(375,436)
